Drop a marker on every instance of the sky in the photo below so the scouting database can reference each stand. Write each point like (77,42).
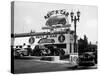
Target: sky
(30,16)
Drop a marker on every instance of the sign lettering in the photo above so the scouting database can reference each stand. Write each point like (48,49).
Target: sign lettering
(56,12)
(46,41)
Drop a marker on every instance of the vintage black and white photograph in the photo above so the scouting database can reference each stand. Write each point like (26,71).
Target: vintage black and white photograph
(47,37)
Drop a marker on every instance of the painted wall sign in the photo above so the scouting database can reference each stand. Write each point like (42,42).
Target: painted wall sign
(42,36)
(61,38)
(46,36)
(31,40)
(53,35)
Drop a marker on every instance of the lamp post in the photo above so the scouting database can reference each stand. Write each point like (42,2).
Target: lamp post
(75,18)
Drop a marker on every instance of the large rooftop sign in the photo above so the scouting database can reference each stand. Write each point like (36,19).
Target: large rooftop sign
(56,17)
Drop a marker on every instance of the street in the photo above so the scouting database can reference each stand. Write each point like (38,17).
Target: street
(32,65)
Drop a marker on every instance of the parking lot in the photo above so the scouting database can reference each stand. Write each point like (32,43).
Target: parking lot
(32,65)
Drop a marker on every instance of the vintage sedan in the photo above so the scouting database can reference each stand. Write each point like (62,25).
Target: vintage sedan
(40,50)
(55,51)
(86,59)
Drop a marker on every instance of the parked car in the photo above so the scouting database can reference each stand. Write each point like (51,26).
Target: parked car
(16,51)
(40,50)
(20,52)
(47,50)
(23,52)
(54,50)
(95,56)
(86,59)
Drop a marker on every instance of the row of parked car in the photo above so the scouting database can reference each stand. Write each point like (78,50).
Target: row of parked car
(39,50)
(86,58)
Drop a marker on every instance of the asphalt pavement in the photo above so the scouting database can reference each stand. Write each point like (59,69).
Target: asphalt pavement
(33,65)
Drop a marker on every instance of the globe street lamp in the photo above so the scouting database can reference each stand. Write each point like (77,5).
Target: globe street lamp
(75,19)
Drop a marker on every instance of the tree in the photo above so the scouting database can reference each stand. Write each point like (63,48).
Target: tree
(83,44)
(85,41)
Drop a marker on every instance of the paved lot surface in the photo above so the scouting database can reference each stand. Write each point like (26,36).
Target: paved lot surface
(32,65)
